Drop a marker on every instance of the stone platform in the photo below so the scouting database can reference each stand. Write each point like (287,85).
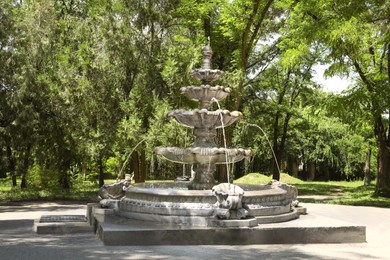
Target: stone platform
(114,230)
(62,224)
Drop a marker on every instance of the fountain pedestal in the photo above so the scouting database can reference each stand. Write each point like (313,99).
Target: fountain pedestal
(204,153)
(204,177)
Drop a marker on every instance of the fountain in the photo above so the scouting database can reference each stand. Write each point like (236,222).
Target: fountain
(203,212)
(202,201)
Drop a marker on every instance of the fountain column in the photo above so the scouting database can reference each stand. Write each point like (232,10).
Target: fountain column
(204,153)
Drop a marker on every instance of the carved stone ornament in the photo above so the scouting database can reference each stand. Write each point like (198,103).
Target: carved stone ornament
(229,201)
(109,193)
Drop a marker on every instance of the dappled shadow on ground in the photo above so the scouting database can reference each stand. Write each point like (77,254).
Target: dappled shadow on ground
(20,226)
(88,247)
(40,206)
(18,241)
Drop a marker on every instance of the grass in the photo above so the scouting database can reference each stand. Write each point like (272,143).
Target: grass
(333,192)
(341,192)
(81,191)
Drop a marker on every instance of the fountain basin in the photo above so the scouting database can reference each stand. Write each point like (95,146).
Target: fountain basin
(199,155)
(205,93)
(206,75)
(171,202)
(204,119)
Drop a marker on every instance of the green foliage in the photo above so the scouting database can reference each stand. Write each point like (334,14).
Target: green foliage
(334,192)
(355,40)
(83,84)
(81,191)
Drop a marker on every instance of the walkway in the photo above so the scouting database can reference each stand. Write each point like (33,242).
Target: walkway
(18,241)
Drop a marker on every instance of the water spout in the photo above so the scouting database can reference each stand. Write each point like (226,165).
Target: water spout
(128,157)
(224,140)
(269,143)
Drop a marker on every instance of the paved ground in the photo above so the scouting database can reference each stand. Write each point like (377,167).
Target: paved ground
(18,241)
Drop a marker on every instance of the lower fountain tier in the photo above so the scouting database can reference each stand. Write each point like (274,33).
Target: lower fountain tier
(173,203)
(199,155)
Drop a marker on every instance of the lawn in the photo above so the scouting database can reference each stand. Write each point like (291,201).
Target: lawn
(333,192)
(346,193)
(81,191)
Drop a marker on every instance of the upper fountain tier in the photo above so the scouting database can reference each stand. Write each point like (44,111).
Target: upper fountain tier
(205,94)
(204,119)
(206,75)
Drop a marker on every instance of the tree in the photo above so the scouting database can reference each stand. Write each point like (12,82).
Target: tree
(7,114)
(356,38)
(357,116)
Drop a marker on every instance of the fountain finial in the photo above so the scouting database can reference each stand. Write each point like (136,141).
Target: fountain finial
(207,55)
(206,75)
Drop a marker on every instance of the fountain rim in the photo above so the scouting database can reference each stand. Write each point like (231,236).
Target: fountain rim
(207,86)
(206,111)
(250,190)
(197,153)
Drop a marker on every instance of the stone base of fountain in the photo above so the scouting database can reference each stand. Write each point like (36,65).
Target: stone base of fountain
(224,205)
(170,214)
(119,231)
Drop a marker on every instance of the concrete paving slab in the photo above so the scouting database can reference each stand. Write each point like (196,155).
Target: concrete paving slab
(307,229)
(18,241)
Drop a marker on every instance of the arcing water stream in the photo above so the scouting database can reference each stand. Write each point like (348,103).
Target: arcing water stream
(224,140)
(269,143)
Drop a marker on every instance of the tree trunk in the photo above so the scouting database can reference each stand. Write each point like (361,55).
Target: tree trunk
(367,166)
(383,182)
(240,169)
(312,171)
(327,173)
(11,166)
(276,153)
(222,173)
(135,166)
(64,169)
(222,169)
(23,184)
(248,40)
(293,165)
(280,149)
(101,171)
(143,167)
(121,174)
(382,140)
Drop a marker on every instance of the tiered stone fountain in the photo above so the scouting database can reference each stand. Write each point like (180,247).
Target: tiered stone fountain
(202,202)
(202,212)
(204,154)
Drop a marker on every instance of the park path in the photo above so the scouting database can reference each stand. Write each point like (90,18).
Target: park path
(18,241)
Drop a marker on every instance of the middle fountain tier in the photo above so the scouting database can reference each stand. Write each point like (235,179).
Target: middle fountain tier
(204,153)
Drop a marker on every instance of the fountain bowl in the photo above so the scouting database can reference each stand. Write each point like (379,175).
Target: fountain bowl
(199,155)
(204,119)
(171,202)
(205,93)
(206,75)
